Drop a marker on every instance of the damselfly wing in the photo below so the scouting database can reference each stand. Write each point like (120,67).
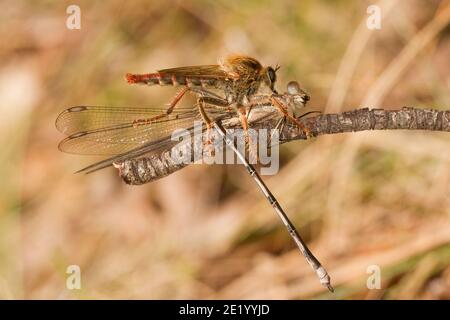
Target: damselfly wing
(122,132)
(100,130)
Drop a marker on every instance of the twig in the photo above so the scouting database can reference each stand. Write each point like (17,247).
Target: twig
(407,118)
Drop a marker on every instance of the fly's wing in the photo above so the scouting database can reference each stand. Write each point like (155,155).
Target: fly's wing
(231,67)
(212,76)
(98,130)
(206,71)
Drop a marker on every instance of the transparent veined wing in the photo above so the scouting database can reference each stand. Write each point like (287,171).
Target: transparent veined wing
(99,130)
(124,132)
(205,71)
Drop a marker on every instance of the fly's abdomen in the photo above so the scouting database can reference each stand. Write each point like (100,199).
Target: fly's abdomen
(167,79)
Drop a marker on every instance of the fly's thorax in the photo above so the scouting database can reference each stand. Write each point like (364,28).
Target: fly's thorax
(238,90)
(241,89)
(254,86)
(240,65)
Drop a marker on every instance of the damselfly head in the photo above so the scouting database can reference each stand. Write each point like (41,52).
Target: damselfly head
(293,87)
(298,95)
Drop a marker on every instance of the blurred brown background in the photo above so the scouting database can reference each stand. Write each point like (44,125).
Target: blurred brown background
(362,199)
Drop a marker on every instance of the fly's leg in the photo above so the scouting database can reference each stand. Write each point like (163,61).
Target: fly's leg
(216,99)
(243,117)
(174,102)
(176,99)
(223,103)
(201,102)
(249,145)
(279,126)
(283,110)
(308,113)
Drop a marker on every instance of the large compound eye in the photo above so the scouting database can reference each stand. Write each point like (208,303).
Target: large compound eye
(271,75)
(293,87)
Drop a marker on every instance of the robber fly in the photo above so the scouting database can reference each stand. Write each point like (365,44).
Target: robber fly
(238,77)
(126,133)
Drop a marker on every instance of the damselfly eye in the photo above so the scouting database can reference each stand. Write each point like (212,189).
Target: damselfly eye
(293,87)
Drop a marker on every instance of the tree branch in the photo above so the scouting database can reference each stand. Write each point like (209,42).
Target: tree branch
(145,169)
(408,118)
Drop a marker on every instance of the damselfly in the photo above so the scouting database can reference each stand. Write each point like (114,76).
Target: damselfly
(127,133)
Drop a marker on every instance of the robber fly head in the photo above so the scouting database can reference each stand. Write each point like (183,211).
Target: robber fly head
(270,77)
